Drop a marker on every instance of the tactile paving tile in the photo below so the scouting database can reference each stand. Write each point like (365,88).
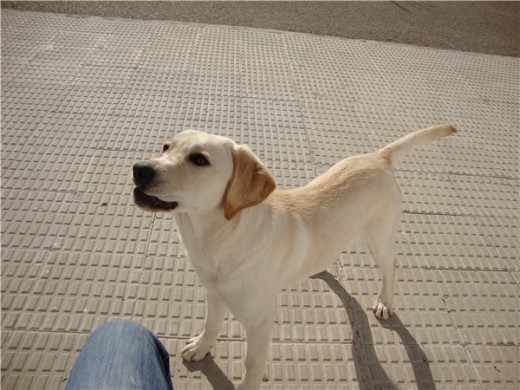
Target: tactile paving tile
(310,313)
(83,98)
(39,359)
(496,367)
(446,242)
(58,221)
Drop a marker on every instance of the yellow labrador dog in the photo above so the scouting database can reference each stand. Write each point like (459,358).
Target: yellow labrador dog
(246,240)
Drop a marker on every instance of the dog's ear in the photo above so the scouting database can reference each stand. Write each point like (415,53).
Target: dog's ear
(250,184)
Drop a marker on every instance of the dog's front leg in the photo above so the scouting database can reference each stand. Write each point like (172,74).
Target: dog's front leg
(198,347)
(258,335)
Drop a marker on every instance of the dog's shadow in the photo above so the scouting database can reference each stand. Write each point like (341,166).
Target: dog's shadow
(212,371)
(370,373)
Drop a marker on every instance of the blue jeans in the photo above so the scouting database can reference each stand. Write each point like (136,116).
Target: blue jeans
(121,355)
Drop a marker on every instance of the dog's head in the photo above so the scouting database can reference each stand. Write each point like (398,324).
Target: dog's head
(199,172)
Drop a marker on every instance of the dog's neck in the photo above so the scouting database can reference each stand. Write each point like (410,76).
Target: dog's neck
(210,224)
(200,223)
(203,232)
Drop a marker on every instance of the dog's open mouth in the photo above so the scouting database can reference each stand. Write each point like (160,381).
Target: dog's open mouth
(151,202)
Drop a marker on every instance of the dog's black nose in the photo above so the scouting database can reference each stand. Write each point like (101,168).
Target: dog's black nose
(143,173)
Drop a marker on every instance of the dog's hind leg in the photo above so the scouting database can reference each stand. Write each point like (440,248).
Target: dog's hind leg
(382,246)
(198,347)
(383,307)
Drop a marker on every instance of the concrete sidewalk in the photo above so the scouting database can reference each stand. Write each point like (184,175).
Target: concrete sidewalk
(489,27)
(85,97)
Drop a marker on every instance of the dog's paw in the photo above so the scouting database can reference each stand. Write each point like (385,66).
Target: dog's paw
(381,311)
(248,386)
(196,349)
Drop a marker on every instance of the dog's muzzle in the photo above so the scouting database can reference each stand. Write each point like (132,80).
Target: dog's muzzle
(144,173)
(153,203)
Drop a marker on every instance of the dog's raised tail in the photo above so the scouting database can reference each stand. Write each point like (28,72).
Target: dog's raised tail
(395,151)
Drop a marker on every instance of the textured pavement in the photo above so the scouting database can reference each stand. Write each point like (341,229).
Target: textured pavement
(489,27)
(85,97)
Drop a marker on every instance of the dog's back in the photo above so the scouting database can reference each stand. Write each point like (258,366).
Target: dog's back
(356,200)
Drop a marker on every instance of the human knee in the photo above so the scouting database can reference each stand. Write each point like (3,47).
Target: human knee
(120,327)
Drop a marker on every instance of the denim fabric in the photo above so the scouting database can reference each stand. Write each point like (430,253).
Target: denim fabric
(121,355)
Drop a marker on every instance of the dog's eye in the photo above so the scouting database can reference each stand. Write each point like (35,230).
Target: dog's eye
(198,159)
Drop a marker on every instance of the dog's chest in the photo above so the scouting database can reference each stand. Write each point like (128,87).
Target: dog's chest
(205,256)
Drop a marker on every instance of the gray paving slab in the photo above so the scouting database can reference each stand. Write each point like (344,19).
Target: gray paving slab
(84,98)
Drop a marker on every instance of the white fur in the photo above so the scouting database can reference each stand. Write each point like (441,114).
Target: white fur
(243,258)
